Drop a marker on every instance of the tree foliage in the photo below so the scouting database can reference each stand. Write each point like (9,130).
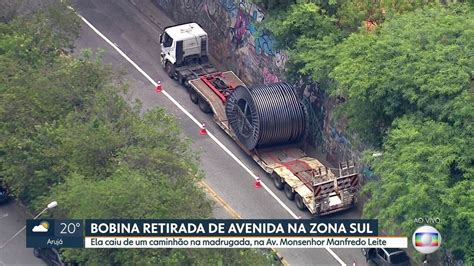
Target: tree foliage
(426,171)
(410,82)
(420,62)
(311,29)
(68,134)
(406,87)
(309,34)
(300,21)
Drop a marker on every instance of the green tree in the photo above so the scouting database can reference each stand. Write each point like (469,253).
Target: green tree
(420,62)
(311,30)
(426,171)
(305,20)
(406,87)
(352,13)
(35,96)
(314,58)
(309,34)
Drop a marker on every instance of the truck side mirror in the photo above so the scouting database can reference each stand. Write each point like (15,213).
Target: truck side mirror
(161,38)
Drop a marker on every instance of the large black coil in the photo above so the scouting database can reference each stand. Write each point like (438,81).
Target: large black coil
(266,115)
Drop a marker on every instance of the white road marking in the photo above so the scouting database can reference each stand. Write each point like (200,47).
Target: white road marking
(334,255)
(222,146)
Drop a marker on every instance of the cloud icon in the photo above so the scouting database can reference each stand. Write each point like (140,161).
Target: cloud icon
(42,227)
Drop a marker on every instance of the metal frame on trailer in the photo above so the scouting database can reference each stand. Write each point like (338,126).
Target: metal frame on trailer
(218,77)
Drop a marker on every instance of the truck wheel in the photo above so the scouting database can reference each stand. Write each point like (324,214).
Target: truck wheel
(193,96)
(278,182)
(36,252)
(299,202)
(170,70)
(182,80)
(289,193)
(204,106)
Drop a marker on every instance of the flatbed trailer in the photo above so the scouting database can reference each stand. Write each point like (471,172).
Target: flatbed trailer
(313,186)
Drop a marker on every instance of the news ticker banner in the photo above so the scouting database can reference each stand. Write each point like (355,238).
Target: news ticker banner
(122,233)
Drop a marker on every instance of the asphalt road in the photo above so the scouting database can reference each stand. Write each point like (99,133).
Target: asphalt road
(13,218)
(138,38)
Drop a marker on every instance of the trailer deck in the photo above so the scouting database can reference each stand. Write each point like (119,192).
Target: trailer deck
(307,177)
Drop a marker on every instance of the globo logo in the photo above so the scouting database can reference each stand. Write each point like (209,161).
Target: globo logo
(426,239)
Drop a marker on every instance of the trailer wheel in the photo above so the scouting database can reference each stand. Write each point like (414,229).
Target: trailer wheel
(299,202)
(204,106)
(289,192)
(317,213)
(278,182)
(193,96)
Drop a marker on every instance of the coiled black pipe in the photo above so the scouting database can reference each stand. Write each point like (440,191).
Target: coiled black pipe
(266,115)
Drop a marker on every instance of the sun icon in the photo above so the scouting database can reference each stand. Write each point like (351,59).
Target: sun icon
(45,224)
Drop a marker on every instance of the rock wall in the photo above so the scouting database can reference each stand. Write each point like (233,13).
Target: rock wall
(236,41)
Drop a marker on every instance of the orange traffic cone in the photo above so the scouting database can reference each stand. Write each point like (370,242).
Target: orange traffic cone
(158,87)
(257,183)
(203,130)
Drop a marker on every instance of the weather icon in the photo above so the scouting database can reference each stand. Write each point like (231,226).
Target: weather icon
(42,227)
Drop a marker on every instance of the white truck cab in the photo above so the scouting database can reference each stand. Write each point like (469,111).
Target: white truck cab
(181,45)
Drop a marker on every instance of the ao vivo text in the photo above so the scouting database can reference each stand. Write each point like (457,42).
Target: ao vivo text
(427,220)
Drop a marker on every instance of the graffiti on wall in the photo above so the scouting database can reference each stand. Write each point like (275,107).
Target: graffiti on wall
(313,102)
(337,143)
(325,132)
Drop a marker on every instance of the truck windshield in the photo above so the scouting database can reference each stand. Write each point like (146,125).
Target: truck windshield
(167,40)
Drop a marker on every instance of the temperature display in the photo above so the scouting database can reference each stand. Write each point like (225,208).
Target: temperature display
(48,233)
(69,228)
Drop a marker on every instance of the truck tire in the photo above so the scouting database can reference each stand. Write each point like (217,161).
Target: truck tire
(170,70)
(317,213)
(193,96)
(36,252)
(204,106)
(182,80)
(289,192)
(299,202)
(279,184)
